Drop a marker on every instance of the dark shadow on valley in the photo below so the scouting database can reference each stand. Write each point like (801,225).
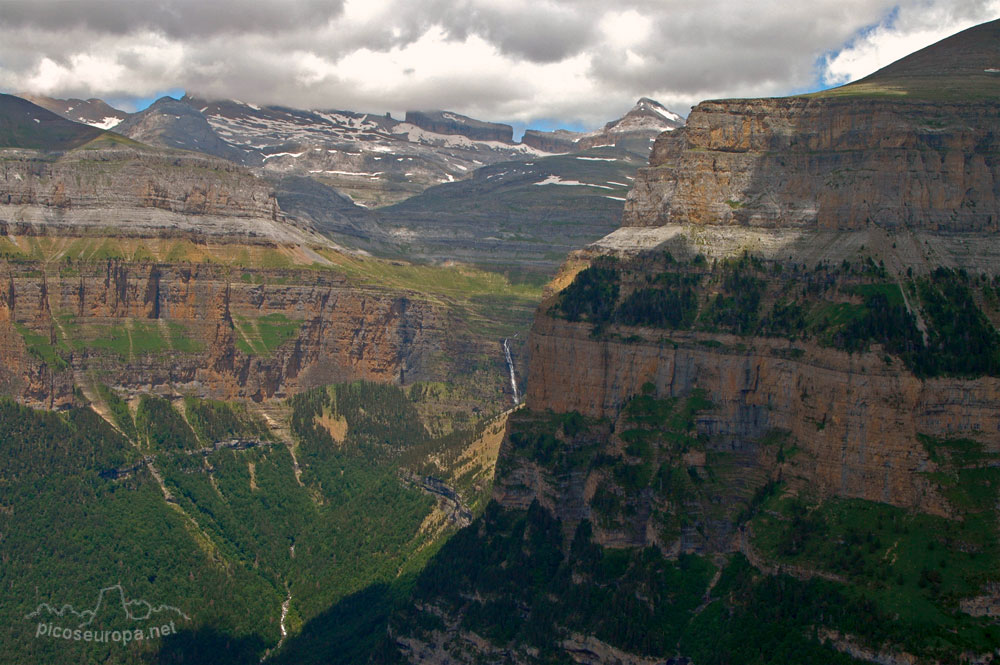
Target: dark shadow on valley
(207,646)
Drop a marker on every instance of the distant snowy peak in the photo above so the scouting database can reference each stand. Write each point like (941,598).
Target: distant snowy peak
(93,112)
(646,114)
(633,132)
(646,105)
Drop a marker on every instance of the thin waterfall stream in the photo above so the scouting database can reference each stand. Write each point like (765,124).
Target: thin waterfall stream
(510,366)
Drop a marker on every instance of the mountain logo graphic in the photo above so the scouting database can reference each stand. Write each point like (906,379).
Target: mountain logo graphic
(108,601)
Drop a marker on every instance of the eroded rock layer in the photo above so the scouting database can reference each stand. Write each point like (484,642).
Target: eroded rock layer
(133,191)
(213,331)
(830,164)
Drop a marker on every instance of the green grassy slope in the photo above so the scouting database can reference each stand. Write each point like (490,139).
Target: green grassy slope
(963,67)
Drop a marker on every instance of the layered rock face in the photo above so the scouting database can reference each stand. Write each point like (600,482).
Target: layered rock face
(446,122)
(559,140)
(856,418)
(828,163)
(791,342)
(257,334)
(136,192)
(902,186)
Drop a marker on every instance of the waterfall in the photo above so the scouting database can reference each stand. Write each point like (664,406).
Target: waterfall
(510,366)
(281,622)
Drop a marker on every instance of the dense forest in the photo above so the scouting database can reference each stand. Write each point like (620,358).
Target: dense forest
(197,505)
(937,328)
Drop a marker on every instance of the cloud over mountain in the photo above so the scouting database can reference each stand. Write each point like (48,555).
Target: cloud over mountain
(577,60)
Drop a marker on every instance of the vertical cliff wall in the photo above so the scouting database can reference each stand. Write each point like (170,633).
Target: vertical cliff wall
(825,164)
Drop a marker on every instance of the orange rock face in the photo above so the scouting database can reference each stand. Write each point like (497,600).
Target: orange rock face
(834,164)
(208,327)
(854,418)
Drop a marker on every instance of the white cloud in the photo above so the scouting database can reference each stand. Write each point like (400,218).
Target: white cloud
(623,29)
(910,28)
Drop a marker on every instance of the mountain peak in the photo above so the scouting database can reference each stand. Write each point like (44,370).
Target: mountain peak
(647,105)
(646,114)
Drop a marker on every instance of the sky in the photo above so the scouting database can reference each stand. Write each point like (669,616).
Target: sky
(535,63)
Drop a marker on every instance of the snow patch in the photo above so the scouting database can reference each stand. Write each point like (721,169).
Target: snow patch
(283,154)
(359,174)
(614,198)
(599,159)
(556,180)
(664,113)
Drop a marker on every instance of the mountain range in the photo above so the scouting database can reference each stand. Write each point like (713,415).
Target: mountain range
(329,167)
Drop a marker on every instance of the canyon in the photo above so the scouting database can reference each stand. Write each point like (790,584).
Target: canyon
(760,421)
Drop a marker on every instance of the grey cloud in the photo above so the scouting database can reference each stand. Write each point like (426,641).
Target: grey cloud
(752,50)
(176,18)
(545,33)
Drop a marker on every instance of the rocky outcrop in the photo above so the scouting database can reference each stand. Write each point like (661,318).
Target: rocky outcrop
(559,140)
(446,122)
(204,329)
(826,164)
(137,192)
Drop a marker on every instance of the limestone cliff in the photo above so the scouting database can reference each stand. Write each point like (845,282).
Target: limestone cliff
(913,146)
(831,164)
(136,191)
(215,331)
(785,368)
(446,122)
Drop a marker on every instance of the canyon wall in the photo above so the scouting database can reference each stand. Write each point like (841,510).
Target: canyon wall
(855,416)
(133,191)
(831,164)
(216,332)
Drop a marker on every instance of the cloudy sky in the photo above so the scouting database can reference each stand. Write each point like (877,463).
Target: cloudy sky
(573,62)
